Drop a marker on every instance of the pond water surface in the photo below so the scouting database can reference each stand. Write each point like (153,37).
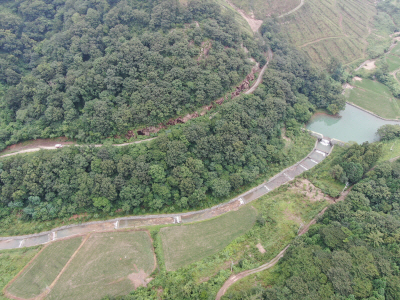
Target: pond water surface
(353,124)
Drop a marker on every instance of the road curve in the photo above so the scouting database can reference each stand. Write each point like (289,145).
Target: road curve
(260,76)
(234,278)
(293,10)
(320,151)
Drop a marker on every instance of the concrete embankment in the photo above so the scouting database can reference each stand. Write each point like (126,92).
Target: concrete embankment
(321,150)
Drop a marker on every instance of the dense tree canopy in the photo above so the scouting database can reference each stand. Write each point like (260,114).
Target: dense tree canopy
(352,252)
(94,69)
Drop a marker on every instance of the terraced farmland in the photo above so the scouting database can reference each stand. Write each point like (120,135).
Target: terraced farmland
(186,244)
(330,28)
(87,267)
(263,8)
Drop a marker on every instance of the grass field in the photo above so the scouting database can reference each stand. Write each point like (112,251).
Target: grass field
(242,22)
(12,262)
(44,269)
(263,8)
(391,149)
(375,97)
(393,61)
(331,28)
(186,244)
(107,264)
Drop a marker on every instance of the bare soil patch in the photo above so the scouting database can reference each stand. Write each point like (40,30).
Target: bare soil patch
(347,86)
(260,248)
(356,78)
(253,22)
(370,65)
(309,190)
(139,279)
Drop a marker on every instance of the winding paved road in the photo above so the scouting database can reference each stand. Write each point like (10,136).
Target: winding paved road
(321,150)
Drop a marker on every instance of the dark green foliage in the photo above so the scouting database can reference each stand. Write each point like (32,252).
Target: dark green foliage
(388,132)
(355,162)
(93,69)
(352,253)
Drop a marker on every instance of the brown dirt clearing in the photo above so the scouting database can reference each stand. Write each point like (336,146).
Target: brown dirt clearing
(260,248)
(370,65)
(305,187)
(139,279)
(356,78)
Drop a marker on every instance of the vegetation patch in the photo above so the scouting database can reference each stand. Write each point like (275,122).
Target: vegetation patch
(265,8)
(12,262)
(186,244)
(111,263)
(44,269)
(366,94)
(330,29)
(351,253)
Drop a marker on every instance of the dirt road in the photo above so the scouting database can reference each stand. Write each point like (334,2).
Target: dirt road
(293,10)
(253,22)
(234,278)
(39,147)
(260,76)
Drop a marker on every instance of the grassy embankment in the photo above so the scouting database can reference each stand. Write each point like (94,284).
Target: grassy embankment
(280,214)
(326,29)
(44,269)
(12,262)
(110,263)
(375,97)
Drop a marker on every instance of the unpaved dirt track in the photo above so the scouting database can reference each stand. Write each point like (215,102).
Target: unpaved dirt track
(253,22)
(260,76)
(322,39)
(234,278)
(293,10)
(38,148)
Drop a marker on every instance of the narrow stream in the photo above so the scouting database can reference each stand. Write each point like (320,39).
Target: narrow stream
(352,124)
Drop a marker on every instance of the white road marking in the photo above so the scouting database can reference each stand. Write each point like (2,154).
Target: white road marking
(287,176)
(320,152)
(267,188)
(314,161)
(241,201)
(304,167)
(177,220)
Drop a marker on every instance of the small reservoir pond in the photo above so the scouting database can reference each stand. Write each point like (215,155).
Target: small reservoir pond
(353,124)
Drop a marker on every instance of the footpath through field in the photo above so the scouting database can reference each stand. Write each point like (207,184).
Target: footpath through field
(234,278)
(293,10)
(321,150)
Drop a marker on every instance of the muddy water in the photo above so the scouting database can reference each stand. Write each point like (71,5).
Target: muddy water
(353,124)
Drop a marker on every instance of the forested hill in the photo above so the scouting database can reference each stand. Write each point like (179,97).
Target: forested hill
(90,69)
